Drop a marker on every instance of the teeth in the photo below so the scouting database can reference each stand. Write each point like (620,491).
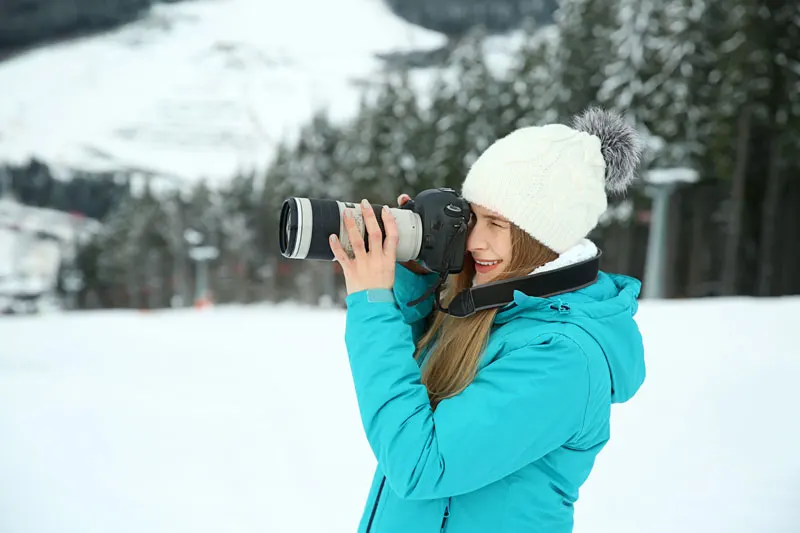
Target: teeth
(486,263)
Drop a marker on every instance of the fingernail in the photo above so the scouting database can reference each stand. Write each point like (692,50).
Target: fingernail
(364,202)
(385,208)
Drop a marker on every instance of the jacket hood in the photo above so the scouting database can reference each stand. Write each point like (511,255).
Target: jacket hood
(605,310)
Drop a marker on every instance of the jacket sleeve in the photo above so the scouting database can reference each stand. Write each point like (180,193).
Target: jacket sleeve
(408,286)
(523,405)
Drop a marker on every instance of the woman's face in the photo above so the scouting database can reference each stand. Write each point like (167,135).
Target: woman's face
(489,243)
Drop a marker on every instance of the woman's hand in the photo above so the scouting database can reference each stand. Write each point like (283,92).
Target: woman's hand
(373,269)
(413,266)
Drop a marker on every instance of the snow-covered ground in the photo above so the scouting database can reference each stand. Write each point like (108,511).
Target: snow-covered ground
(197,89)
(238,420)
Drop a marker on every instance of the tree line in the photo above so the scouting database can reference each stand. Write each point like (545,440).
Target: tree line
(712,84)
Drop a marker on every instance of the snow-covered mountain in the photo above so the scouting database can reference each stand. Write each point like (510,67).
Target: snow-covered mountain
(197,89)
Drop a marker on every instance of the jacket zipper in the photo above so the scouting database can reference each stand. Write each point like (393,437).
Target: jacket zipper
(378,498)
(375,506)
(446,516)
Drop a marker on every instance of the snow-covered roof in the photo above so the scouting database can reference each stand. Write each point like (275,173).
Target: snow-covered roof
(47,222)
(660,176)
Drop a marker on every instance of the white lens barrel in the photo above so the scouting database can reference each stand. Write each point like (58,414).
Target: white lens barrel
(409,230)
(305,227)
(306,224)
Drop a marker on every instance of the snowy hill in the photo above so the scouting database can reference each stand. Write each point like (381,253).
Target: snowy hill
(196,89)
(235,420)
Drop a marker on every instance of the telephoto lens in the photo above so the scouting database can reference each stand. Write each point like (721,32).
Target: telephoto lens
(306,223)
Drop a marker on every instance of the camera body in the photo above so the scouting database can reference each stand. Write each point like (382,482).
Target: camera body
(432,228)
(445,220)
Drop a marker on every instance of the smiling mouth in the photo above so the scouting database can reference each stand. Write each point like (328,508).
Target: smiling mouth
(482,267)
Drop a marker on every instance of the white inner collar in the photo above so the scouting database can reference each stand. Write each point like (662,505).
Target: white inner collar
(582,251)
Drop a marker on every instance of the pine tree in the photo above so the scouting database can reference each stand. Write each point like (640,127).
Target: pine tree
(584,51)
(119,252)
(445,124)
(774,29)
(407,144)
(479,97)
(311,166)
(460,121)
(533,83)
(275,188)
(376,143)
(238,235)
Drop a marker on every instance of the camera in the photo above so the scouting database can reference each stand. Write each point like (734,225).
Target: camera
(432,228)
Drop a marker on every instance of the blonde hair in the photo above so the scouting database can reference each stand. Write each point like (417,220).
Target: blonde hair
(458,343)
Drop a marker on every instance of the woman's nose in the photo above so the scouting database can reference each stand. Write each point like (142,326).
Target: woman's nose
(475,240)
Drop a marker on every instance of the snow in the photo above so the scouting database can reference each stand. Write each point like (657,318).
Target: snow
(236,419)
(197,89)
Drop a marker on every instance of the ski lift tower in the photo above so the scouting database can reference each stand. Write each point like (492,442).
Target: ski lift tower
(659,185)
(201,254)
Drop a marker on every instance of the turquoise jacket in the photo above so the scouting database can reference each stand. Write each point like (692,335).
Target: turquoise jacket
(510,452)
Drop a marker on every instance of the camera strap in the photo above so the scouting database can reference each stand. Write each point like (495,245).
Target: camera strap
(437,287)
(500,293)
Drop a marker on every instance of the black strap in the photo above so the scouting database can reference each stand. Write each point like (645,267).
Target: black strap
(542,285)
(436,287)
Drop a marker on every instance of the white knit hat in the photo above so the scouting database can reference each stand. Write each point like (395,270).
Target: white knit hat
(551,180)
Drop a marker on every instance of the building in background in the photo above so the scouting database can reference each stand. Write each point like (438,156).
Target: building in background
(37,245)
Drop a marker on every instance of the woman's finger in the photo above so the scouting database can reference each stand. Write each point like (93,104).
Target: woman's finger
(338,251)
(354,235)
(402,199)
(392,235)
(373,229)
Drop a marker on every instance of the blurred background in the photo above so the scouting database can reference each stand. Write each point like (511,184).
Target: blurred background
(146,147)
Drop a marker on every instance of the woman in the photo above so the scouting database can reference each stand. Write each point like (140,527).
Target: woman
(492,423)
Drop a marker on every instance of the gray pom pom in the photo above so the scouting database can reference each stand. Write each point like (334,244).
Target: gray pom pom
(619,144)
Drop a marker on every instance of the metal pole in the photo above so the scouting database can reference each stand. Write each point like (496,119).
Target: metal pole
(657,241)
(200,290)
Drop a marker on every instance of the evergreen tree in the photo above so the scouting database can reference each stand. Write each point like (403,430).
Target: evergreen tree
(460,120)
(406,147)
(204,213)
(314,168)
(584,52)
(773,33)
(276,187)
(117,250)
(376,145)
(443,140)
(238,234)
(478,98)
(533,83)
